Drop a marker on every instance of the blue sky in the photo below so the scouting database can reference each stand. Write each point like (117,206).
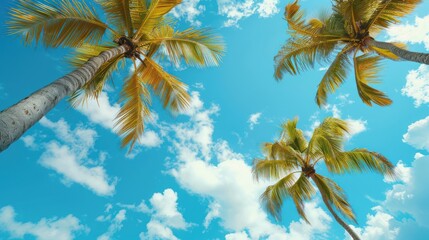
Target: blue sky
(67,178)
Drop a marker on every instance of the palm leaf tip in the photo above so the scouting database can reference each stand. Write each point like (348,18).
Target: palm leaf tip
(66,23)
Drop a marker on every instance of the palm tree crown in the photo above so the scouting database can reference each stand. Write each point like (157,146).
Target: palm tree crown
(291,161)
(345,38)
(140,25)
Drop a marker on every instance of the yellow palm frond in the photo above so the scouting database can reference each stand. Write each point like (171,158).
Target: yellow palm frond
(273,169)
(292,136)
(389,12)
(335,195)
(299,189)
(297,24)
(94,87)
(335,75)
(135,99)
(65,23)
(300,54)
(355,13)
(172,91)
(366,68)
(119,15)
(327,140)
(281,151)
(195,47)
(359,160)
(153,15)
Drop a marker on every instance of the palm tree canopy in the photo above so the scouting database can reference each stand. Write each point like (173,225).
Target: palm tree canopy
(341,39)
(291,162)
(140,24)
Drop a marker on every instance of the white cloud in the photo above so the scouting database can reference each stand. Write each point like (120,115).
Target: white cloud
(189,10)
(165,217)
(417,134)
(417,86)
(29,141)
(221,175)
(254,120)
(418,32)
(378,227)
(267,8)
(71,157)
(115,226)
(403,173)
(46,229)
(235,10)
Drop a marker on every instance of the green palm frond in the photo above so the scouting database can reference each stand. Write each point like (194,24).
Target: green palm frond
(335,75)
(119,15)
(297,24)
(135,101)
(389,12)
(94,87)
(299,189)
(195,47)
(273,169)
(327,140)
(292,136)
(153,15)
(366,68)
(299,54)
(359,160)
(355,13)
(172,91)
(335,195)
(65,23)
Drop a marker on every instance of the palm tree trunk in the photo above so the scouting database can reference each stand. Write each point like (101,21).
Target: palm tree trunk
(402,53)
(337,218)
(17,119)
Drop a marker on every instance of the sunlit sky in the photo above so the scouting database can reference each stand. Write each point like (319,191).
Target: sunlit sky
(190,178)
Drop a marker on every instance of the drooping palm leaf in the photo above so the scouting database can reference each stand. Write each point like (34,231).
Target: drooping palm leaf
(366,68)
(119,15)
(153,15)
(274,169)
(135,101)
(359,160)
(65,23)
(195,47)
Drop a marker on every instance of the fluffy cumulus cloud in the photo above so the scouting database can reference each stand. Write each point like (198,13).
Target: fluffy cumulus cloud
(165,217)
(417,32)
(234,10)
(102,112)
(417,85)
(189,10)
(254,120)
(213,170)
(65,228)
(69,156)
(417,133)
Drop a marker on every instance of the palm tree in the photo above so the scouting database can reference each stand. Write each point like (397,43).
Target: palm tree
(291,161)
(140,31)
(345,38)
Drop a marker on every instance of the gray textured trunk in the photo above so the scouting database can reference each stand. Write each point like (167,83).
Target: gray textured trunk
(17,119)
(337,218)
(402,53)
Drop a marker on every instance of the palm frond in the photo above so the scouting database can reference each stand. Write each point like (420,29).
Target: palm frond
(94,87)
(335,75)
(119,15)
(359,160)
(355,13)
(153,15)
(299,189)
(135,101)
(297,24)
(281,151)
(172,91)
(195,47)
(273,169)
(65,23)
(327,140)
(366,68)
(292,136)
(389,12)
(299,54)
(335,195)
